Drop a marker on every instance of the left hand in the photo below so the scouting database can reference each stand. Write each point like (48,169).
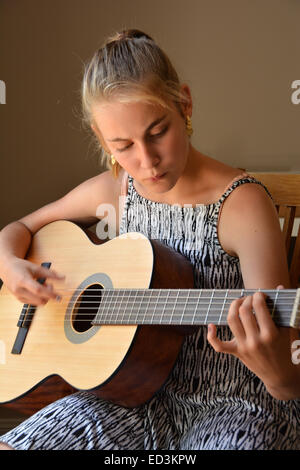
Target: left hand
(264,348)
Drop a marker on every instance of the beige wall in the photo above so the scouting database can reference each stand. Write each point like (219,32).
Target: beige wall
(239,57)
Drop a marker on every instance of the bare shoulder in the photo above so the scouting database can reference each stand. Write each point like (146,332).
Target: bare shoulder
(247,207)
(104,187)
(247,210)
(247,198)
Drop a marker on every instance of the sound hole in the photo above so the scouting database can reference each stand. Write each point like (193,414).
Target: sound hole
(86,308)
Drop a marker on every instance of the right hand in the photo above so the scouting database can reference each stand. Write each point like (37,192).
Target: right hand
(20,277)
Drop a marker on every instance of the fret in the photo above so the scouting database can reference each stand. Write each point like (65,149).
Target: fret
(191,307)
(147,309)
(184,308)
(150,298)
(121,297)
(189,311)
(153,306)
(175,305)
(207,313)
(154,301)
(116,295)
(142,303)
(157,302)
(128,296)
(196,308)
(139,294)
(112,297)
(110,310)
(295,318)
(133,306)
(223,306)
(164,307)
(274,304)
(103,304)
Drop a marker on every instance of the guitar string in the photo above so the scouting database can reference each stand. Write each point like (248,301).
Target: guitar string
(101,318)
(104,309)
(111,288)
(202,303)
(282,312)
(180,290)
(104,304)
(213,312)
(282,307)
(160,297)
(108,296)
(212,319)
(197,322)
(210,292)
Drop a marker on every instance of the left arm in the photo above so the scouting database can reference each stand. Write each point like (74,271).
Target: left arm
(249,229)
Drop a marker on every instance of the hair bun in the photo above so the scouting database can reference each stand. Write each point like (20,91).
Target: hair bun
(128,34)
(135,34)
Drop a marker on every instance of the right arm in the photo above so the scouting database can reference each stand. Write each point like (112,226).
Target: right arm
(79,206)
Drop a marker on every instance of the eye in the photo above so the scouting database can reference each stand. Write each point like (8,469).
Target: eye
(151,136)
(124,148)
(161,133)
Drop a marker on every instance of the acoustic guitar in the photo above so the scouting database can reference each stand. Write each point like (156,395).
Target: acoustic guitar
(126,307)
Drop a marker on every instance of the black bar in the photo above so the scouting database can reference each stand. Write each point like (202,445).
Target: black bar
(25,319)
(20,340)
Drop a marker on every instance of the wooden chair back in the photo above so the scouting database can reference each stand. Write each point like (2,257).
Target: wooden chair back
(285,190)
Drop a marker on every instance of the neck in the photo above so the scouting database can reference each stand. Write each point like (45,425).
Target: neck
(189,306)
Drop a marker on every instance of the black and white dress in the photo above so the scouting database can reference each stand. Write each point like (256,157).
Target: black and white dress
(210,401)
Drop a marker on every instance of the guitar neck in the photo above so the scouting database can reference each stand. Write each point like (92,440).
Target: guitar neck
(189,306)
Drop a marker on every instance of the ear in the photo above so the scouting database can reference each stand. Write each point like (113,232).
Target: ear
(95,130)
(187,107)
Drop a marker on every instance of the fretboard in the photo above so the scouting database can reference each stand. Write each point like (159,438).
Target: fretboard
(188,306)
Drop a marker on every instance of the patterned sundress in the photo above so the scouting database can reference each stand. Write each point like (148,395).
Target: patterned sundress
(210,400)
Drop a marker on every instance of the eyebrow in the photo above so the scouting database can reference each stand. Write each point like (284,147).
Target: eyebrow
(153,124)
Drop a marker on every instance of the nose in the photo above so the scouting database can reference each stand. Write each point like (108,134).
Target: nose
(148,157)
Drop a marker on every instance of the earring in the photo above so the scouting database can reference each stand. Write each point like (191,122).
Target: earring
(188,126)
(115,166)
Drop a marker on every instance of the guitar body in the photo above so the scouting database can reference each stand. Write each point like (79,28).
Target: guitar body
(124,364)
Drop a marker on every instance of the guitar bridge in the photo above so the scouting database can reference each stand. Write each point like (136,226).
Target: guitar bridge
(25,320)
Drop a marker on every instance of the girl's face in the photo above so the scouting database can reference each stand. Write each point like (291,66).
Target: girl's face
(150,142)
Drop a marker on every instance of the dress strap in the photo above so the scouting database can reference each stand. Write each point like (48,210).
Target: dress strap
(238,181)
(241,176)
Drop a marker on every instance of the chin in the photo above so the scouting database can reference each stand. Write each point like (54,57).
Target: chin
(163,188)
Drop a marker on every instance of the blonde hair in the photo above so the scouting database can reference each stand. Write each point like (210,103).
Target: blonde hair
(130,66)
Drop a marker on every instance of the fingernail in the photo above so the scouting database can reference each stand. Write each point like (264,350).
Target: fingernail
(58,298)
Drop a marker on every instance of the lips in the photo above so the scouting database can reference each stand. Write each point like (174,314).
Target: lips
(157,177)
